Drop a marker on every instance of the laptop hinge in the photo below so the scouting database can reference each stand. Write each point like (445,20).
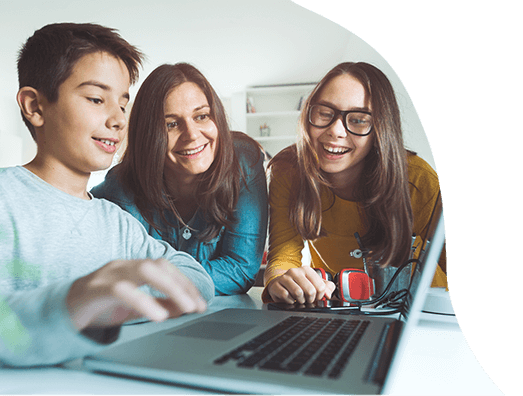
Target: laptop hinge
(379,366)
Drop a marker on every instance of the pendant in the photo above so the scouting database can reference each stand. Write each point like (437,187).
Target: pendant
(186,233)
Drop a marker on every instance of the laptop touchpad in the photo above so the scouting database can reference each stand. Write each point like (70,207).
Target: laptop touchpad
(213,330)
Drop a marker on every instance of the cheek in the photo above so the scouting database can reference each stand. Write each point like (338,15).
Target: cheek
(366,145)
(172,138)
(212,135)
(169,155)
(212,132)
(314,134)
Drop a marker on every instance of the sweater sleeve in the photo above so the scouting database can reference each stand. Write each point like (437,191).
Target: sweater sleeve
(138,244)
(424,189)
(35,329)
(285,244)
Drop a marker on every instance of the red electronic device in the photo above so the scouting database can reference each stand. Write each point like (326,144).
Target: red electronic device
(354,285)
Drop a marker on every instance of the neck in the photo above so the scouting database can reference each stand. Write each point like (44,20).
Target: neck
(59,176)
(345,184)
(183,190)
(179,187)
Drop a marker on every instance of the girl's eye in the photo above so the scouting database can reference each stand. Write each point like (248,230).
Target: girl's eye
(123,109)
(95,100)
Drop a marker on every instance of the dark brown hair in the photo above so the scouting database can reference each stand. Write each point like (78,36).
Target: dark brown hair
(47,58)
(142,168)
(383,194)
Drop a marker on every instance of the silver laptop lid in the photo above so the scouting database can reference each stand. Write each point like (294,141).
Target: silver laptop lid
(421,281)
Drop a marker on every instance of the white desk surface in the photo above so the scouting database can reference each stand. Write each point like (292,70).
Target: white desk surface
(437,360)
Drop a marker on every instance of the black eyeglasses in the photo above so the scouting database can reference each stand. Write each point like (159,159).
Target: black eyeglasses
(357,122)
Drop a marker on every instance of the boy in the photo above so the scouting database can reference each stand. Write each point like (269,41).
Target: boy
(72,267)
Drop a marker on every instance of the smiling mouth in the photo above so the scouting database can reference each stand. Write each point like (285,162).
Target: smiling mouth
(106,141)
(336,150)
(192,151)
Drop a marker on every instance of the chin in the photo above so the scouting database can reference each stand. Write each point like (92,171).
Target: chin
(100,167)
(334,168)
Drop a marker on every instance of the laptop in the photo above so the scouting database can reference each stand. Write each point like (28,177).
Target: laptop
(242,350)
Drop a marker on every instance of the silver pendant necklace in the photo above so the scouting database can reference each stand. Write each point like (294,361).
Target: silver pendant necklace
(186,233)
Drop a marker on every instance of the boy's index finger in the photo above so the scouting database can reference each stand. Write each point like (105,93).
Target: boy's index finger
(166,278)
(141,302)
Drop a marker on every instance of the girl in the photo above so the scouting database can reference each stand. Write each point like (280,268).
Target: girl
(191,181)
(348,173)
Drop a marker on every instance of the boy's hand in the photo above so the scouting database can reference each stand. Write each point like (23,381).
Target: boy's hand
(301,285)
(110,295)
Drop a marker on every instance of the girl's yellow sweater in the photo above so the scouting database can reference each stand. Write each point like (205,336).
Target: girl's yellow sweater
(340,221)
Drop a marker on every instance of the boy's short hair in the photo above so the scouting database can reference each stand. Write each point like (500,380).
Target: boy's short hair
(47,58)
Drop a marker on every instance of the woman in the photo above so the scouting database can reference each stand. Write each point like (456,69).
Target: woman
(191,181)
(348,173)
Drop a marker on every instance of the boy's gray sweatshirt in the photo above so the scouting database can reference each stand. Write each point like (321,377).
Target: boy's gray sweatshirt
(48,239)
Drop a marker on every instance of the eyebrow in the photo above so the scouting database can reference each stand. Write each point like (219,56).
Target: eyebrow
(326,103)
(101,86)
(194,110)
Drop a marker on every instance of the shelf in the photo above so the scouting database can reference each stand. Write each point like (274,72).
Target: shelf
(291,113)
(280,89)
(277,107)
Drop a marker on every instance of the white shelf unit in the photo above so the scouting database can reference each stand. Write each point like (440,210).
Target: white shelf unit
(277,107)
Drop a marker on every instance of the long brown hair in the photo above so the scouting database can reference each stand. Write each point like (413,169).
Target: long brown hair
(383,194)
(142,168)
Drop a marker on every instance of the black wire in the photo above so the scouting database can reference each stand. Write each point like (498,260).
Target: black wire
(389,285)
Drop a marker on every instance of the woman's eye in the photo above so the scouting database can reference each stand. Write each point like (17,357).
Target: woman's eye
(202,117)
(171,125)
(95,100)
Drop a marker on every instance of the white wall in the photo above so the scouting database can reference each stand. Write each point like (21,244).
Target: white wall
(235,43)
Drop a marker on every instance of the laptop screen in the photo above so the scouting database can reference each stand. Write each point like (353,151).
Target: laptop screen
(430,251)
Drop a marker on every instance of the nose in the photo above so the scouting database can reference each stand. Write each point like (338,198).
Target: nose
(116,119)
(337,129)
(192,131)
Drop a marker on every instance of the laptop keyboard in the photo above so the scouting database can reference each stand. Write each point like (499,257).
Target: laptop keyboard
(301,345)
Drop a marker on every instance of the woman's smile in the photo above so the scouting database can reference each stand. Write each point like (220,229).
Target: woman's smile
(192,133)
(190,153)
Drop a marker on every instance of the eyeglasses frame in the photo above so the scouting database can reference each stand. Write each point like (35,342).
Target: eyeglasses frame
(337,114)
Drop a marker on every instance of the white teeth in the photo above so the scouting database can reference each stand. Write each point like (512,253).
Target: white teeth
(105,141)
(335,150)
(192,152)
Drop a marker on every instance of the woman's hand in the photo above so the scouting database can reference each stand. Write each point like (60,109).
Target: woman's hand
(110,295)
(301,285)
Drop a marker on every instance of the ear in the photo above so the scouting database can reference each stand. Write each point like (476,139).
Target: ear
(29,101)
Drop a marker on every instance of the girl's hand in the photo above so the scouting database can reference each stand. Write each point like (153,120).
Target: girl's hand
(300,285)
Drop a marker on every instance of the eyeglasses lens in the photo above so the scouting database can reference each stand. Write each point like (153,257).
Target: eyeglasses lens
(356,122)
